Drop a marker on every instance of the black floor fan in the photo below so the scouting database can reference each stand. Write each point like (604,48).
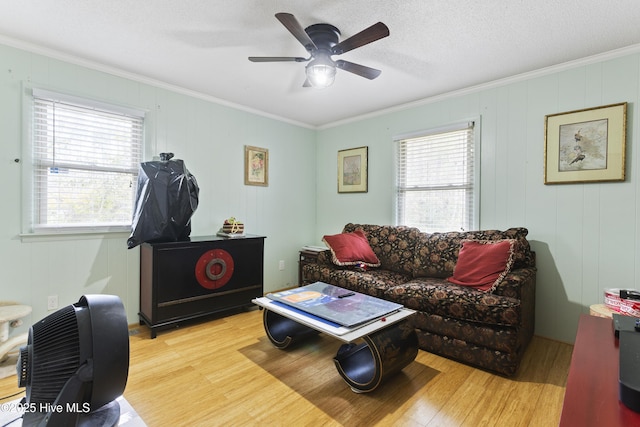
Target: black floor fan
(75,364)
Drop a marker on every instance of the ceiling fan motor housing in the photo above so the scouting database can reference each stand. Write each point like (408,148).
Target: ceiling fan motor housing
(324,36)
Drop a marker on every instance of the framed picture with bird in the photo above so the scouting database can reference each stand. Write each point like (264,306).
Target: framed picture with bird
(586,145)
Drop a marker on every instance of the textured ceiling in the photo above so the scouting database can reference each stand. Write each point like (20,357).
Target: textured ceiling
(435,46)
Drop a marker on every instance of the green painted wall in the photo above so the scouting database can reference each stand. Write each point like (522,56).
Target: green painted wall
(209,137)
(585,235)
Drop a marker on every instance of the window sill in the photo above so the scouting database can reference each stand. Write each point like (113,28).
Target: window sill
(50,235)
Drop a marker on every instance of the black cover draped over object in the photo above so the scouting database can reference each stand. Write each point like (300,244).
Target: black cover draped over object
(166,199)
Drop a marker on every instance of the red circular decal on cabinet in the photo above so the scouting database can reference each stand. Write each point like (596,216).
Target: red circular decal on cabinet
(214,269)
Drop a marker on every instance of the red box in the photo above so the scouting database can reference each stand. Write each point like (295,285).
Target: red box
(612,299)
(630,307)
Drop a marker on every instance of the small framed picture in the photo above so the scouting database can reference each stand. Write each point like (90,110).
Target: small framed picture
(586,145)
(256,166)
(352,170)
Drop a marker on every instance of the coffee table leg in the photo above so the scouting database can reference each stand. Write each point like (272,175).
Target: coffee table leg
(282,332)
(366,365)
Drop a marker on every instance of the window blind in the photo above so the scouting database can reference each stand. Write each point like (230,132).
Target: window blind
(435,180)
(86,159)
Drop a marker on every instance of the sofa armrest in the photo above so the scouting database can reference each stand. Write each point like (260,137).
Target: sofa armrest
(324,258)
(521,284)
(514,282)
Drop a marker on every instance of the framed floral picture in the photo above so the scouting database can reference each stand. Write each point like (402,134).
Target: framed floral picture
(352,170)
(586,145)
(256,166)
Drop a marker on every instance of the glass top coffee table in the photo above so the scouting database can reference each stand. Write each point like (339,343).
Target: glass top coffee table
(379,340)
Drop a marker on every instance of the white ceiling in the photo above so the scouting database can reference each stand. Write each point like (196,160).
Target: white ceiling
(435,46)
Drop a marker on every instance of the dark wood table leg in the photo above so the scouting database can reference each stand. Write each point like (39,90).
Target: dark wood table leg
(282,332)
(366,365)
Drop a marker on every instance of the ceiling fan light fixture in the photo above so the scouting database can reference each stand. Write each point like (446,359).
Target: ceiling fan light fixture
(321,73)
(322,41)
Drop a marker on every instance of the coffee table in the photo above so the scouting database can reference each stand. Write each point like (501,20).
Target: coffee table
(371,352)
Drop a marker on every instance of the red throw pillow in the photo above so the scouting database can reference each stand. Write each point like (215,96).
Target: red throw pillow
(351,249)
(483,263)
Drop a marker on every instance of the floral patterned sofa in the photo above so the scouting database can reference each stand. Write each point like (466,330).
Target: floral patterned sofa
(487,329)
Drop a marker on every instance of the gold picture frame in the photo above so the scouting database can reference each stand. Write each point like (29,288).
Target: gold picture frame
(586,145)
(256,166)
(353,170)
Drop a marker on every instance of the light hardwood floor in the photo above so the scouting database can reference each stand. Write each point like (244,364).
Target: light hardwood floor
(226,372)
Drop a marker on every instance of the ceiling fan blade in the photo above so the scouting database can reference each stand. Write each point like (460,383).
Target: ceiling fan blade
(361,70)
(277,59)
(291,23)
(366,36)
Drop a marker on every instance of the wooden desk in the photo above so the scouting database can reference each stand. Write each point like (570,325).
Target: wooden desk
(591,397)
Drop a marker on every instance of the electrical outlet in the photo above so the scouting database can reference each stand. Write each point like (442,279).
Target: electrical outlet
(281,264)
(52,302)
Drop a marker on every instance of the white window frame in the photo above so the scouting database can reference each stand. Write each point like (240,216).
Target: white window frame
(31,226)
(472,187)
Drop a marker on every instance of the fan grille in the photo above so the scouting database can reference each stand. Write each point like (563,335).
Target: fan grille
(22,367)
(55,354)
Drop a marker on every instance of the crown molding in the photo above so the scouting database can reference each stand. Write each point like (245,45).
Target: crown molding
(55,54)
(617,53)
(97,66)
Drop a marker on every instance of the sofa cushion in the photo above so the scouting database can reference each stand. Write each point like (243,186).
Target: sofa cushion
(373,282)
(393,245)
(438,296)
(351,249)
(482,264)
(437,253)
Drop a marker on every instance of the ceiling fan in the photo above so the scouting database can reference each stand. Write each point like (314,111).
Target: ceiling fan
(322,42)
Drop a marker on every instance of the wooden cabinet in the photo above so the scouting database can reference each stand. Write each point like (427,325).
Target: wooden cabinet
(205,275)
(592,393)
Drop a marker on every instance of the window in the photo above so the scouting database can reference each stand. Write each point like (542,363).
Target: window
(436,180)
(86,157)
